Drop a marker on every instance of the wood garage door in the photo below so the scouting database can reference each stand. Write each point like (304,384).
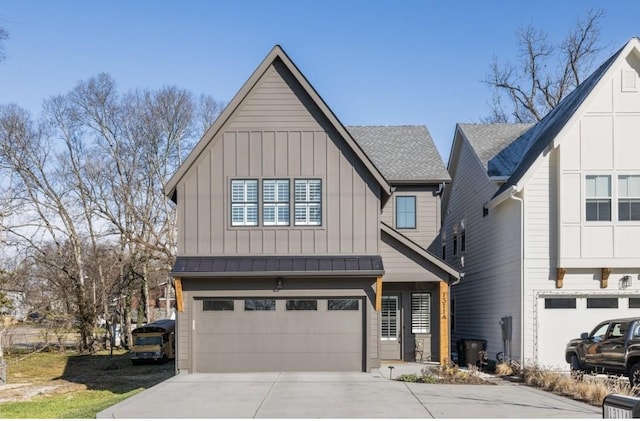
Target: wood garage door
(265,334)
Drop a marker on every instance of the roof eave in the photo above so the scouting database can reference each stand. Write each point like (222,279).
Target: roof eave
(296,274)
(495,201)
(453,274)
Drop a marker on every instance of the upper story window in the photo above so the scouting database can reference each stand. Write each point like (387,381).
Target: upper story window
(455,244)
(463,240)
(444,249)
(244,202)
(598,197)
(308,202)
(406,212)
(275,202)
(629,198)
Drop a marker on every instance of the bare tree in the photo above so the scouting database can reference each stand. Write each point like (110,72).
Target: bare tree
(49,213)
(545,73)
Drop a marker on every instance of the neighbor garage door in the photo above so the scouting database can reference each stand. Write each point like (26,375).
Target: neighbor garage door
(564,317)
(266,334)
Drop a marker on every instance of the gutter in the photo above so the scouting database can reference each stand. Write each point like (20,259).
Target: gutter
(513,196)
(496,200)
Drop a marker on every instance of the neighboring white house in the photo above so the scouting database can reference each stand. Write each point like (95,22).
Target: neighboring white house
(544,220)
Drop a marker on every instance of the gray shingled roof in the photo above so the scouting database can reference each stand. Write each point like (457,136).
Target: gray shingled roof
(401,153)
(488,140)
(521,154)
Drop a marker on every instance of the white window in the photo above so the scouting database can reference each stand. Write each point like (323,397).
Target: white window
(389,318)
(420,312)
(275,202)
(629,198)
(598,197)
(308,202)
(244,202)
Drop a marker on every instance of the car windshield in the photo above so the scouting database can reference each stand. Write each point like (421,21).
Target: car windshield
(148,340)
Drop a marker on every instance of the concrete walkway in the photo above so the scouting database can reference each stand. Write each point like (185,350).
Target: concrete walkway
(340,395)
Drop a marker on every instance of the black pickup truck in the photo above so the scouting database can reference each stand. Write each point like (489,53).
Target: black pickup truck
(612,347)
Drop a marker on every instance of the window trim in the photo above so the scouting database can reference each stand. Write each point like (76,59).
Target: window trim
(418,312)
(307,203)
(244,204)
(415,212)
(598,199)
(627,198)
(276,202)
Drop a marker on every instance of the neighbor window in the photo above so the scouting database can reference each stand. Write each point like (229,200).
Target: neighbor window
(275,202)
(463,241)
(634,302)
(602,302)
(244,202)
(455,244)
(598,197)
(308,202)
(405,212)
(629,198)
(559,303)
(420,312)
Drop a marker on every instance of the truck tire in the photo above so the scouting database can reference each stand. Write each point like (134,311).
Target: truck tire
(575,363)
(634,375)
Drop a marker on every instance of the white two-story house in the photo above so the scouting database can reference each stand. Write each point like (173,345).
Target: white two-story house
(544,219)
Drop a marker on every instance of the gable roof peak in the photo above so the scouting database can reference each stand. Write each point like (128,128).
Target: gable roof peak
(277,52)
(524,151)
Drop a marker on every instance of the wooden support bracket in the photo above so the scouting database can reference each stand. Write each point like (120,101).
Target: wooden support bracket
(177,282)
(604,281)
(560,272)
(379,293)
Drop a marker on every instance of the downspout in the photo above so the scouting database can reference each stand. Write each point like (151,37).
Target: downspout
(519,199)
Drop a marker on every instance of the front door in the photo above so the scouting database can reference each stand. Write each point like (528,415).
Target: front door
(390,328)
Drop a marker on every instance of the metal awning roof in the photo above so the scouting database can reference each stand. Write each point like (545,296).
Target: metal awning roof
(252,266)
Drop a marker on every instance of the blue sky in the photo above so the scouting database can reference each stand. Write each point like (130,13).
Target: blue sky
(373,62)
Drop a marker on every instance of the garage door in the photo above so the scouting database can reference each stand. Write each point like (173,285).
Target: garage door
(266,334)
(563,317)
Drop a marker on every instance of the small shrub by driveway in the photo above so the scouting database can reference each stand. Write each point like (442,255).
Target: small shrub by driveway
(445,375)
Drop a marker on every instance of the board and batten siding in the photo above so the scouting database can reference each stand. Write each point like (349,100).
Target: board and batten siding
(605,140)
(427,213)
(278,132)
(490,288)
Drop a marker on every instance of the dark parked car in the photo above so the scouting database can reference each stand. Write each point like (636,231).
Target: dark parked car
(612,347)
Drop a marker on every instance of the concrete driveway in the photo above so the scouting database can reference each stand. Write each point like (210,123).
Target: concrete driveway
(339,395)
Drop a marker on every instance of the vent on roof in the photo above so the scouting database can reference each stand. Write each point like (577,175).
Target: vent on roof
(629,81)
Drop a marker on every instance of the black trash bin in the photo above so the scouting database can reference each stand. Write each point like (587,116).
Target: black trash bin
(469,352)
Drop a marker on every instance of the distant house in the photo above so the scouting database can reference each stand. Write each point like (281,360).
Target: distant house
(544,220)
(302,242)
(18,309)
